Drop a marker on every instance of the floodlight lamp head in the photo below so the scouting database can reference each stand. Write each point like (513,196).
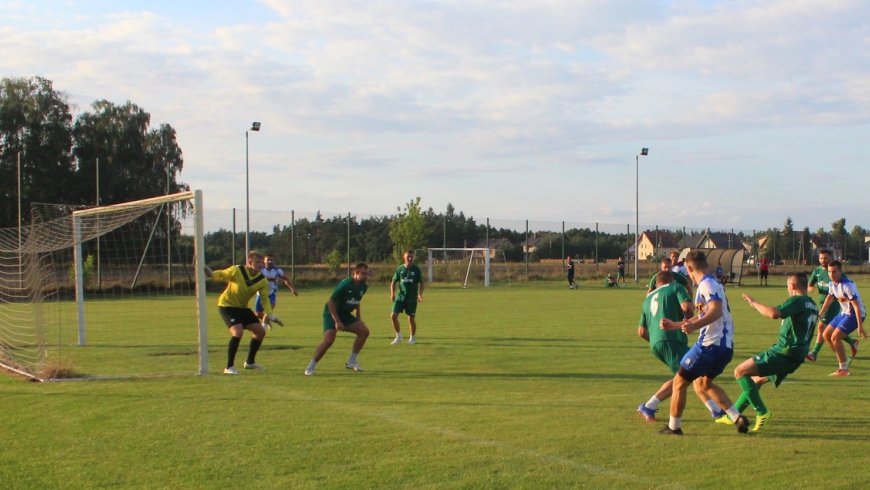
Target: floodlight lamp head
(255,126)
(644,151)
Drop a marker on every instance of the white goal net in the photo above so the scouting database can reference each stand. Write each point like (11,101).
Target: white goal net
(108,291)
(467,267)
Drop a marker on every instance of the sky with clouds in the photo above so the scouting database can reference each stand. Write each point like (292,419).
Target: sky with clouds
(753,110)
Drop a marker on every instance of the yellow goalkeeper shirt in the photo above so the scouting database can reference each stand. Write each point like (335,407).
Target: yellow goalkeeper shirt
(242,287)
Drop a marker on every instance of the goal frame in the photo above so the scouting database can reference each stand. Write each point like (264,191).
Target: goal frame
(486,252)
(199,254)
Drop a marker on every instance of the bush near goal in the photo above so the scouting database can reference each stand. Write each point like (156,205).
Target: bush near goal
(109,291)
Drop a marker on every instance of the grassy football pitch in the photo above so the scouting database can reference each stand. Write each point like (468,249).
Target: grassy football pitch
(530,386)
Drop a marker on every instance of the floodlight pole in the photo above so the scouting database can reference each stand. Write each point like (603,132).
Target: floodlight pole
(255,126)
(643,152)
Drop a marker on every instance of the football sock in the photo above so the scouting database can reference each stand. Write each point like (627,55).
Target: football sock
(817,347)
(733,413)
(252,353)
(231,351)
(412,338)
(712,406)
(844,366)
(311,365)
(751,390)
(653,403)
(849,340)
(742,402)
(352,357)
(674,422)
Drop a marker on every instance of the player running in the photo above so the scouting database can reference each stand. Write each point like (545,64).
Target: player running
(799,314)
(850,318)
(821,278)
(272,274)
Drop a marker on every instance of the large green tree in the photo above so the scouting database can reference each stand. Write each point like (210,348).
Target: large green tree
(407,229)
(135,162)
(35,124)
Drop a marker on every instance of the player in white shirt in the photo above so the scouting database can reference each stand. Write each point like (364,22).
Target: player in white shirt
(273,274)
(851,316)
(711,353)
(676,266)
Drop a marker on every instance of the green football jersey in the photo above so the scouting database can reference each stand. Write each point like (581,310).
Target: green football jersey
(820,280)
(408,279)
(678,278)
(798,327)
(347,296)
(662,303)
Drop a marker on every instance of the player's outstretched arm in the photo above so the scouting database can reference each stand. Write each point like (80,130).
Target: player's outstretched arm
(768,311)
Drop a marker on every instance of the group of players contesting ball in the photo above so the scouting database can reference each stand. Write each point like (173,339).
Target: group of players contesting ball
(668,316)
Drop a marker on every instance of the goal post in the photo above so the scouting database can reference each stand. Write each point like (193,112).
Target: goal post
(110,291)
(466,266)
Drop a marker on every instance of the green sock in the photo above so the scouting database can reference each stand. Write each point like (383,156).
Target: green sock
(817,347)
(742,402)
(750,389)
(849,340)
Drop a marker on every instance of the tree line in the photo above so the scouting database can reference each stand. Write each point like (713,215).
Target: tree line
(111,151)
(62,157)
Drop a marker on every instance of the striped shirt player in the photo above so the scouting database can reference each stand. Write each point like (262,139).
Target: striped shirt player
(272,274)
(850,318)
(709,356)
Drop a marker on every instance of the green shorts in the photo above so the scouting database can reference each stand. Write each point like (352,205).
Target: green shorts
(620,274)
(832,311)
(346,319)
(775,366)
(405,305)
(670,353)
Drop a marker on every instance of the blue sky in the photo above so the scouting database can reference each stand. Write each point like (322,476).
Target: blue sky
(753,110)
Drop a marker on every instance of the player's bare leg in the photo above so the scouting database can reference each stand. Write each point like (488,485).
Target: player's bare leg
(394,318)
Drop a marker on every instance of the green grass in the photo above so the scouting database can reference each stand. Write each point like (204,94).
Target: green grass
(532,386)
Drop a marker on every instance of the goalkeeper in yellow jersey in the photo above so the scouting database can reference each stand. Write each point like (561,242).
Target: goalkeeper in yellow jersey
(244,282)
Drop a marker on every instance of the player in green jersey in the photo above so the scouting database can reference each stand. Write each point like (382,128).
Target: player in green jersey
(338,315)
(669,300)
(820,278)
(409,277)
(666,264)
(799,314)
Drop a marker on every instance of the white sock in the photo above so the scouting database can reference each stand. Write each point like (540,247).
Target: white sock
(733,413)
(674,422)
(843,366)
(653,403)
(412,338)
(352,358)
(311,365)
(399,335)
(712,406)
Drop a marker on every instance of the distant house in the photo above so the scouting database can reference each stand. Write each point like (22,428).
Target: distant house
(691,240)
(495,244)
(656,243)
(825,242)
(539,240)
(719,240)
